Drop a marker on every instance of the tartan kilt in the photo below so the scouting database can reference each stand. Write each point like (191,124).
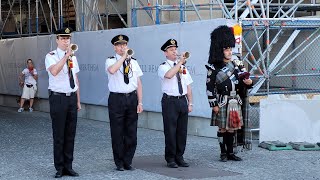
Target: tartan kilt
(221,119)
(244,135)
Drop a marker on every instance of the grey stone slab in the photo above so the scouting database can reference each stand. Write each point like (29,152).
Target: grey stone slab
(156,164)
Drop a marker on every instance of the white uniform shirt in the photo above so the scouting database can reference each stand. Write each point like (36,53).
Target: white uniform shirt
(170,86)
(60,83)
(116,81)
(28,78)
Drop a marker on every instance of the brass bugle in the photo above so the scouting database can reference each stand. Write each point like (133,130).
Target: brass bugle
(74,47)
(186,55)
(130,52)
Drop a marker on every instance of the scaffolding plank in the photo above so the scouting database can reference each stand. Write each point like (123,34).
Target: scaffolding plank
(275,145)
(304,146)
(304,23)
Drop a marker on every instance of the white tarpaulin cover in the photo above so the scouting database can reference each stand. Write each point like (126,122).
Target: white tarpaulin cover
(290,120)
(95,47)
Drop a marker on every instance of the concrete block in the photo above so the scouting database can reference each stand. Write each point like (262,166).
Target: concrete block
(155,121)
(143,120)
(97,113)
(151,120)
(42,105)
(83,112)
(201,127)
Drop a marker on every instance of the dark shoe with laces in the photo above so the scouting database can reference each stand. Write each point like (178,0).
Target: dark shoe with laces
(172,165)
(233,157)
(120,168)
(182,163)
(223,157)
(129,167)
(70,172)
(59,174)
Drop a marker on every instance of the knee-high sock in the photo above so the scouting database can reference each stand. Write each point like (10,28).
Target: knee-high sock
(222,142)
(229,142)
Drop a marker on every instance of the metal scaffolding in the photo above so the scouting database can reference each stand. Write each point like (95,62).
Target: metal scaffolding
(20,18)
(264,22)
(32,17)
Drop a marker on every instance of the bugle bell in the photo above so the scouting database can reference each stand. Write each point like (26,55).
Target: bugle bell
(186,55)
(130,52)
(74,47)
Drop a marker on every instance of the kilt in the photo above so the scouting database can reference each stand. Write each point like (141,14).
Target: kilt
(246,136)
(221,119)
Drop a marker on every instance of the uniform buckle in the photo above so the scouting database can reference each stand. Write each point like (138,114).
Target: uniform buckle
(68,94)
(233,93)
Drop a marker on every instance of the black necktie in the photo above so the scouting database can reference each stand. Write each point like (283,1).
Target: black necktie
(71,81)
(125,75)
(179,81)
(71,77)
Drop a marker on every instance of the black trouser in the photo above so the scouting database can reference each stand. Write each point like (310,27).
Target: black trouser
(175,123)
(123,125)
(63,112)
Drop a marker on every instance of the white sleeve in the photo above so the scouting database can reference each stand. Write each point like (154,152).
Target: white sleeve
(24,71)
(75,65)
(162,70)
(110,62)
(137,69)
(188,78)
(49,61)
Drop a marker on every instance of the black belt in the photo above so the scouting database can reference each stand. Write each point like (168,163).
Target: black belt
(124,94)
(29,85)
(175,97)
(228,93)
(61,94)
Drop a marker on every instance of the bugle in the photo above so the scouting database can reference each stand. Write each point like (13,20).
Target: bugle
(74,47)
(130,52)
(186,55)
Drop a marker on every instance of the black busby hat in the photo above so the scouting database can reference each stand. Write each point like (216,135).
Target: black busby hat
(169,43)
(120,39)
(66,31)
(221,37)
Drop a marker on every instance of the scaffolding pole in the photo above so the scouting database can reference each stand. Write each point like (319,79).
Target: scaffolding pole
(37,16)
(259,17)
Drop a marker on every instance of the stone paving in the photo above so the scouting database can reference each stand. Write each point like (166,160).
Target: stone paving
(26,153)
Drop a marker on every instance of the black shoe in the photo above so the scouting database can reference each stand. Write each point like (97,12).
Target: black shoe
(172,165)
(182,163)
(233,157)
(128,167)
(223,157)
(120,168)
(59,174)
(70,172)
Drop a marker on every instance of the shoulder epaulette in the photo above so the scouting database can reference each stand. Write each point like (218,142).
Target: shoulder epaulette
(133,58)
(210,66)
(238,62)
(111,57)
(163,63)
(51,53)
